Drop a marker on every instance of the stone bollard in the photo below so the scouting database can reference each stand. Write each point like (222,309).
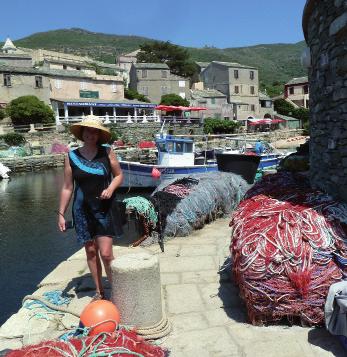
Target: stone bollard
(136,289)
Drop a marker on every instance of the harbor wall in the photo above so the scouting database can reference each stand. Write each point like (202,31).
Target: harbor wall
(325,28)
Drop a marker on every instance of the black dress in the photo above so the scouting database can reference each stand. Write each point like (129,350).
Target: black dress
(92,216)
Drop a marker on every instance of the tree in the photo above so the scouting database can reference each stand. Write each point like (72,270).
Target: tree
(29,110)
(177,58)
(2,114)
(133,94)
(174,99)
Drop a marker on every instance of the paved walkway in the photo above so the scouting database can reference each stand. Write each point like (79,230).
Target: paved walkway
(207,315)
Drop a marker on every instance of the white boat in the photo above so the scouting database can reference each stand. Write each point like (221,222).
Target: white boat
(4,170)
(175,160)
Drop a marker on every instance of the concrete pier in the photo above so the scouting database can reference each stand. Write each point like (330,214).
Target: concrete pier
(203,304)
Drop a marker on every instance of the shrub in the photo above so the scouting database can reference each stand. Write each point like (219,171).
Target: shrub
(115,134)
(29,110)
(13,139)
(132,94)
(174,99)
(220,126)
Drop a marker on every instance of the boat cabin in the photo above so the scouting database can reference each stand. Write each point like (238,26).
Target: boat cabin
(173,151)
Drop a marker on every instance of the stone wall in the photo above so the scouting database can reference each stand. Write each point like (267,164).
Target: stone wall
(325,27)
(34,163)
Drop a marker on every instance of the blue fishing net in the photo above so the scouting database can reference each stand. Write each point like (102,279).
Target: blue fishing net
(189,203)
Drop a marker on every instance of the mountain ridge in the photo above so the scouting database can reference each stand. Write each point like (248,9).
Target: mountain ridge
(277,63)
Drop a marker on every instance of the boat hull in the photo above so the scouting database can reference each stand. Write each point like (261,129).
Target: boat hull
(138,175)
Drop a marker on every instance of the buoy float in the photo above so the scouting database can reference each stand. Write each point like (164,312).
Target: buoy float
(156,173)
(100,316)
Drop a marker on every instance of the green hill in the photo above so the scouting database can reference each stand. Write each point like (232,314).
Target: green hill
(277,63)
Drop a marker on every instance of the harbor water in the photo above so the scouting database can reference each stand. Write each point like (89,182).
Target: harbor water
(30,244)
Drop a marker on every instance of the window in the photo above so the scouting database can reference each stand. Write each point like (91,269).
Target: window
(252,108)
(291,90)
(144,73)
(38,82)
(213,100)
(163,74)
(64,66)
(182,95)
(179,147)
(237,90)
(189,146)
(144,90)
(251,74)
(164,90)
(305,89)
(252,89)
(236,74)
(182,84)
(58,84)
(7,80)
(83,85)
(114,87)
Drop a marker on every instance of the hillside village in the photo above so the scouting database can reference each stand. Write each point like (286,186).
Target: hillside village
(77,85)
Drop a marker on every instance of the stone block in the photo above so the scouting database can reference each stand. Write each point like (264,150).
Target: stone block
(10,344)
(188,322)
(215,341)
(186,264)
(65,272)
(183,298)
(200,277)
(338,24)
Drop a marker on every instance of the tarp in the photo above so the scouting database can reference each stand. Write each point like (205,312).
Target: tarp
(172,108)
(264,121)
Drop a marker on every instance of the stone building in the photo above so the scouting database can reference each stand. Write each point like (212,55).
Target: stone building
(325,29)
(297,91)
(125,60)
(266,105)
(155,80)
(238,82)
(215,102)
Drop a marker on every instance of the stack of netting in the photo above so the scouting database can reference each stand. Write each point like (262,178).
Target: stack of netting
(288,246)
(187,204)
(122,343)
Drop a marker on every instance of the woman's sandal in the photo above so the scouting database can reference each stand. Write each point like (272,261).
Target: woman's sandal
(98,296)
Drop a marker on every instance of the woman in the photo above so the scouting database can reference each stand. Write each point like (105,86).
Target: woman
(94,174)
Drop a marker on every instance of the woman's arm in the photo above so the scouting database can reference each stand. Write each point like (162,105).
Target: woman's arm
(117,176)
(65,195)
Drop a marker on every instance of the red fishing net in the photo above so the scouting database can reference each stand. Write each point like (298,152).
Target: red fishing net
(123,343)
(288,246)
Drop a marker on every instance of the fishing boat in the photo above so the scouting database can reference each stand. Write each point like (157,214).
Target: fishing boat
(175,159)
(4,170)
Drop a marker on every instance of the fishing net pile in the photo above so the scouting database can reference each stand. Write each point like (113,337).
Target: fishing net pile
(122,343)
(288,246)
(188,203)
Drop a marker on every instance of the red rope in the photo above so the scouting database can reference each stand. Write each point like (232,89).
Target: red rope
(285,238)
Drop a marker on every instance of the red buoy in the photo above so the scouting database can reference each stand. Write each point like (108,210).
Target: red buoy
(156,173)
(100,316)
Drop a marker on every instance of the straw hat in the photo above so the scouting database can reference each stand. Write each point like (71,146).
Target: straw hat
(91,121)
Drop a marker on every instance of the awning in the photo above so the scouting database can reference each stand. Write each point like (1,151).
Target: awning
(252,122)
(104,103)
(172,108)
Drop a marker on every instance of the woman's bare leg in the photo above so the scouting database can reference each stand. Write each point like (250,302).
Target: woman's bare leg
(106,253)
(94,264)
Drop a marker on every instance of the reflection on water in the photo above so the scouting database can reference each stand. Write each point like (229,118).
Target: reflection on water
(30,243)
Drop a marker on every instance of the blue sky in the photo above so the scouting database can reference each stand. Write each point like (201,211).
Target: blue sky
(219,23)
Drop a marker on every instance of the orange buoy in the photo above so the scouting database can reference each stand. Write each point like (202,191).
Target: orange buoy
(100,316)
